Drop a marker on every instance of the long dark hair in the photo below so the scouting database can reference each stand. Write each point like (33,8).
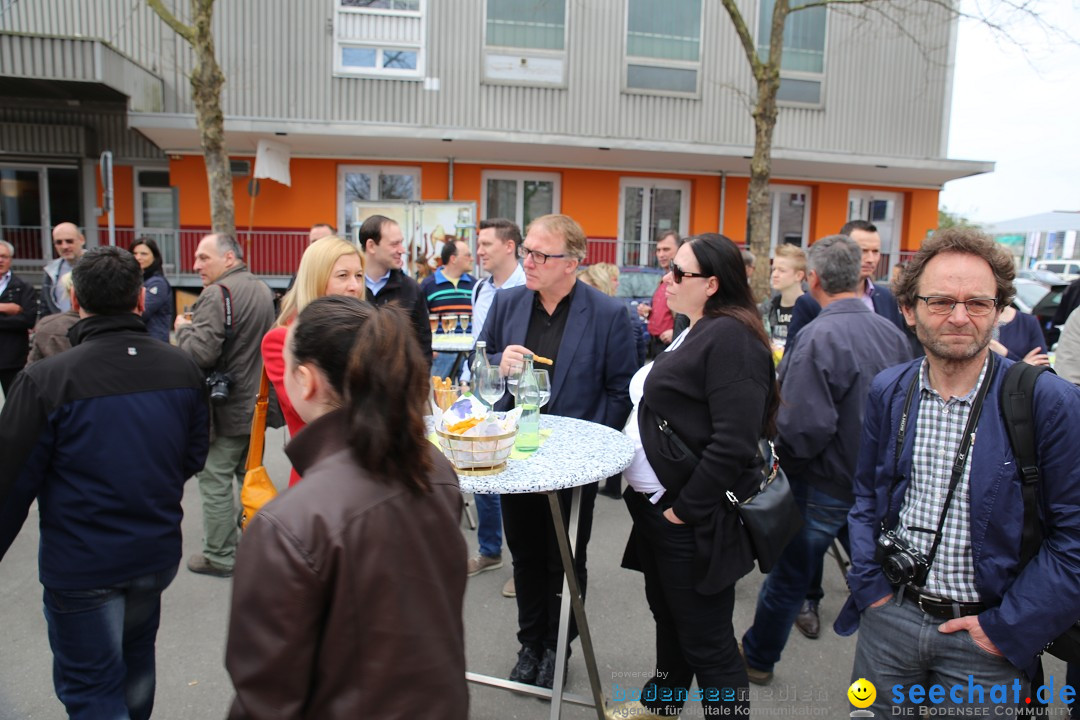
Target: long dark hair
(155,267)
(374,362)
(719,257)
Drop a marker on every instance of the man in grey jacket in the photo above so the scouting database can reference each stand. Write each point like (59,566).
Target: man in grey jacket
(219,262)
(818,429)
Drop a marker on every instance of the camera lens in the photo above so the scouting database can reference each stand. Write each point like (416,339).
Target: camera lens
(899,569)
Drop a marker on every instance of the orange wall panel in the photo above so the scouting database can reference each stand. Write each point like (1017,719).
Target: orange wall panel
(920,217)
(735,210)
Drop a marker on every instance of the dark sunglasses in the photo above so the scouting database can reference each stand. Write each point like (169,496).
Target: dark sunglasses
(677,274)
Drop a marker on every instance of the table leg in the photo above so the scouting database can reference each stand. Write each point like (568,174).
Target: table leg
(455,369)
(571,597)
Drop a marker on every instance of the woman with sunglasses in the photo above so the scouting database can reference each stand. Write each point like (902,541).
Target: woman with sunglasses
(715,390)
(348,590)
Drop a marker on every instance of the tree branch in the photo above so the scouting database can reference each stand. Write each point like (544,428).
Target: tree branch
(185,31)
(745,37)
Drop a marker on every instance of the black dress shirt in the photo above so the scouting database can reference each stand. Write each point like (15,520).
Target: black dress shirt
(546,331)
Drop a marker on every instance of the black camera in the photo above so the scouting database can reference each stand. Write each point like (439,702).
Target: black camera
(219,384)
(901,563)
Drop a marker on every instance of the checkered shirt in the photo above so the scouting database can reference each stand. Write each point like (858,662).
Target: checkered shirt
(939,430)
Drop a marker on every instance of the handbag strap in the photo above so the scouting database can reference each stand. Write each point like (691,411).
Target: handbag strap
(772,461)
(258,424)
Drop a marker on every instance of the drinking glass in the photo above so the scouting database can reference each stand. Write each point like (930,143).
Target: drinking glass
(543,382)
(444,396)
(434,320)
(449,320)
(490,386)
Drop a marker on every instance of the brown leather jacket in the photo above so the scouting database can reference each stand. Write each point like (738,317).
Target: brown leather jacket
(347,594)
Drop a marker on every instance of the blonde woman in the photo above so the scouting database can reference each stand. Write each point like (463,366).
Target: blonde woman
(329,266)
(602,276)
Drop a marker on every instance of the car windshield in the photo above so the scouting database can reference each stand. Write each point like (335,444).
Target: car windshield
(1030,293)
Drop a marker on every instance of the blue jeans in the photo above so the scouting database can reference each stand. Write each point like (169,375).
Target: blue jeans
(489,524)
(103,647)
(785,588)
(441,366)
(899,644)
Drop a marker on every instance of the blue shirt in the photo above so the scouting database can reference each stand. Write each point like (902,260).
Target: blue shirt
(375,286)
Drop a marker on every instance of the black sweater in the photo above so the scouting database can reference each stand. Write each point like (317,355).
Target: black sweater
(713,391)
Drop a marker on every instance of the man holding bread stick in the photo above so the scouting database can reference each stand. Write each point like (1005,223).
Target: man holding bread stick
(588,338)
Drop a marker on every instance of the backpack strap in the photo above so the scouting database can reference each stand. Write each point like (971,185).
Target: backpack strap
(1018,407)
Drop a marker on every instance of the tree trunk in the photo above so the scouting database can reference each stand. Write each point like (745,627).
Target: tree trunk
(759,218)
(206,83)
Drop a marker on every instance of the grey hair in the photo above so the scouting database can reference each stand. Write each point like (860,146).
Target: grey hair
(227,243)
(837,261)
(10,247)
(748,258)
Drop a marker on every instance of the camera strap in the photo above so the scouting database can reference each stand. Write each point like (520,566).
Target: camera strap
(226,298)
(959,461)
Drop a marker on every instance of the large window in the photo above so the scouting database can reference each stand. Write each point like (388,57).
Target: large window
(358,183)
(379,38)
(885,210)
(525,42)
(663,46)
(648,207)
(789,216)
(521,197)
(803,61)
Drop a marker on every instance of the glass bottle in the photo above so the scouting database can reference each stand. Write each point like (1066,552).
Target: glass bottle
(528,399)
(479,361)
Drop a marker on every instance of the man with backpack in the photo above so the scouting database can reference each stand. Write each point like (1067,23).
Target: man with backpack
(942,590)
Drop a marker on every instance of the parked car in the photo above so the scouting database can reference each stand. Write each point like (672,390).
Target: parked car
(1037,299)
(1044,276)
(1069,270)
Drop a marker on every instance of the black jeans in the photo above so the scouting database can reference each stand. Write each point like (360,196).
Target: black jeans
(694,632)
(538,572)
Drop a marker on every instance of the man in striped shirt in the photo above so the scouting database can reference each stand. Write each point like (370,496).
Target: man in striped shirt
(449,291)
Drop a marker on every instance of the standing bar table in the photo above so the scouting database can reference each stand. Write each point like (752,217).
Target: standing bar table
(576,453)
(458,343)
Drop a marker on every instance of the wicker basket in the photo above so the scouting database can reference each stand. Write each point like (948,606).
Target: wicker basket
(477,455)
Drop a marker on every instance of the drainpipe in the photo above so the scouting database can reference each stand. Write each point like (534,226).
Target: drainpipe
(723,201)
(450,183)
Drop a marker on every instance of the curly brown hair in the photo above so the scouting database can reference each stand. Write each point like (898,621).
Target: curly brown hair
(967,241)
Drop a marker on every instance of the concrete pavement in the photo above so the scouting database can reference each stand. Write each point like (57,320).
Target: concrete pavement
(811,680)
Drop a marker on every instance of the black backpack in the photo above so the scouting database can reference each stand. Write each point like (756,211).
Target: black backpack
(1017,404)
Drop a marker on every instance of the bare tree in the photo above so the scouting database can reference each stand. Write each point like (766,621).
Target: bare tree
(904,16)
(206,82)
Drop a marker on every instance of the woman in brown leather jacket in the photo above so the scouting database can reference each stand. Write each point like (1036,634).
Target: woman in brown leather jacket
(348,588)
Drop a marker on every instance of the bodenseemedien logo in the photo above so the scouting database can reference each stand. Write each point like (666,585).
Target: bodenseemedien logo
(862,694)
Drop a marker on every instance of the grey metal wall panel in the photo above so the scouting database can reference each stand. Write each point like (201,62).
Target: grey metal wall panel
(882,94)
(40,139)
(98,129)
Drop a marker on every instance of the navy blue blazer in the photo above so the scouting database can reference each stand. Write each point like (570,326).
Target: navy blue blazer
(597,355)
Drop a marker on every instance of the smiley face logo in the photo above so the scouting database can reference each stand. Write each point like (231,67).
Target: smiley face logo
(862,693)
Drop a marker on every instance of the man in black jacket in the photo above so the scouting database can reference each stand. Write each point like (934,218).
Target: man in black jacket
(104,437)
(384,252)
(18,310)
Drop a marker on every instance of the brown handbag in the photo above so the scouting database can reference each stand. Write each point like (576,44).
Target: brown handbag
(257,489)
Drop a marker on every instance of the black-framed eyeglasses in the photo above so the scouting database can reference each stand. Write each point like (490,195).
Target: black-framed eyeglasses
(677,273)
(537,257)
(975,307)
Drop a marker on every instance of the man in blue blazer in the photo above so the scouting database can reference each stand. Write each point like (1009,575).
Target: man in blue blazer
(589,337)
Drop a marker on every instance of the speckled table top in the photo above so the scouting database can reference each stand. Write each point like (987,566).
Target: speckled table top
(576,453)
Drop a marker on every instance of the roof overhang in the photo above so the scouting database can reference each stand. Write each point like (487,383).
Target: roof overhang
(75,68)
(177,134)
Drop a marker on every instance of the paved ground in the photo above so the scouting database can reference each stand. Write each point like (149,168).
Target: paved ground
(811,681)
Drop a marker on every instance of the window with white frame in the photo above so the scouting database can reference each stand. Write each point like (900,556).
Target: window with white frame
(663,46)
(379,38)
(525,42)
(802,67)
(521,197)
(358,183)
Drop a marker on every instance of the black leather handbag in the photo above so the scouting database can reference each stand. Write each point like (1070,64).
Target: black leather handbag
(770,516)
